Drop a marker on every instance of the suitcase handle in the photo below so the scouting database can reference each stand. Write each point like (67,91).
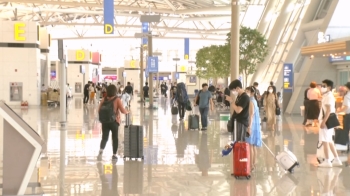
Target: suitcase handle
(127,119)
(269,150)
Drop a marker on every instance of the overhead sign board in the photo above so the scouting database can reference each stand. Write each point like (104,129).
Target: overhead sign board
(339,59)
(152,64)
(288,77)
(108,16)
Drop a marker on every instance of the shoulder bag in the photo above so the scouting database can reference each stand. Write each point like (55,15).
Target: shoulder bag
(332,120)
(278,109)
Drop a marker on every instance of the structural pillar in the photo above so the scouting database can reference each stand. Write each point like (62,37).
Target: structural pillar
(141,73)
(235,26)
(150,75)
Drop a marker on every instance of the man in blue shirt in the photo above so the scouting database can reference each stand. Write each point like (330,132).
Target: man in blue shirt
(205,101)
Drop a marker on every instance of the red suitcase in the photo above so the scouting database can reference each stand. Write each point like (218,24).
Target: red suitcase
(241,160)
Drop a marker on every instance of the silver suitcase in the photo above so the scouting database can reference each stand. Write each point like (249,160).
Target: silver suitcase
(286,159)
(133,140)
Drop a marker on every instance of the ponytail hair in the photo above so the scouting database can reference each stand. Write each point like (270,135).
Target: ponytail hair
(252,90)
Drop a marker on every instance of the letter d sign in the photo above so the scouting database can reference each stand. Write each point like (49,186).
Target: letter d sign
(108,29)
(80,55)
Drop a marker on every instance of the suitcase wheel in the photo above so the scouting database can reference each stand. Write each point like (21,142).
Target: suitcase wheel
(291,171)
(248,177)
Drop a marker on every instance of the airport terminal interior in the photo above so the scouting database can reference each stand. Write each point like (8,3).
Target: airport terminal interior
(50,134)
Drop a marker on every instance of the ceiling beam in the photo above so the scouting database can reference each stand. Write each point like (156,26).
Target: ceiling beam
(219,10)
(132,37)
(90,12)
(138,27)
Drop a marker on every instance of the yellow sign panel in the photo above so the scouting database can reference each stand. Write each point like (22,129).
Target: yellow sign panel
(186,56)
(108,169)
(286,85)
(19,31)
(80,55)
(108,29)
(132,63)
(182,68)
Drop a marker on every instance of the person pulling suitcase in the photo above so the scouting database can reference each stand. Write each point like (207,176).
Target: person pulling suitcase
(109,115)
(204,102)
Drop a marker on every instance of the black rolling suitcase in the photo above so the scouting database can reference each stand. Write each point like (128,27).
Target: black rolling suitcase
(133,177)
(133,140)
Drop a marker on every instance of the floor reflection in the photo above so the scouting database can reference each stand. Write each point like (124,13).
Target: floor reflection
(177,161)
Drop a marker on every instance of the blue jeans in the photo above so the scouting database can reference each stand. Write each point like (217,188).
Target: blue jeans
(204,116)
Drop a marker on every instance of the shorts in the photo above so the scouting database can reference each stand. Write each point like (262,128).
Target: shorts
(326,135)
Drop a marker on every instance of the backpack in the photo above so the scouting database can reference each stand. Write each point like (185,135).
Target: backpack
(180,93)
(197,101)
(106,113)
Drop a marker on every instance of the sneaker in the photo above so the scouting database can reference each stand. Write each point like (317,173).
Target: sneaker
(114,158)
(337,163)
(325,164)
(204,129)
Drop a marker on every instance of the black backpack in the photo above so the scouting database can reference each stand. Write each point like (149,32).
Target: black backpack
(180,93)
(106,113)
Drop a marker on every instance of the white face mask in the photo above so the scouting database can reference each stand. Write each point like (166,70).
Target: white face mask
(270,91)
(234,93)
(323,90)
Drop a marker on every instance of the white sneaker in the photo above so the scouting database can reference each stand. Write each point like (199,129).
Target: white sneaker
(325,164)
(337,163)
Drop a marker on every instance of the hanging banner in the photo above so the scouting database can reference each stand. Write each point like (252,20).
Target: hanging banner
(144,30)
(288,77)
(187,48)
(108,15)
(152,64)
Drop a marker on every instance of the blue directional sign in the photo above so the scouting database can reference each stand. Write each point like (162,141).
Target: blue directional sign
(288,77)
(177,76)
(152,64)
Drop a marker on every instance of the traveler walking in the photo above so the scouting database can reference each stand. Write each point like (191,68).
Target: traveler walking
(240,106)
(130,90)
(181,97)
(270,105)
(326,133)
(346,109)
(109,115)
(92,92)
(145,91)
(205,101)
(86,93)
(313,95)
(306,106)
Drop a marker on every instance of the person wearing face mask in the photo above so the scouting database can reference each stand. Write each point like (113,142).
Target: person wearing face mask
(346,109)
(325,134)
(240,106)
(270,101)
(254,128)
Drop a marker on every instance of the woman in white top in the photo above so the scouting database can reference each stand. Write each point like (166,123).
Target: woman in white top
(314,96)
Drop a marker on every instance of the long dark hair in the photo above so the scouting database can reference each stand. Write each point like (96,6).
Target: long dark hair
(273,92)
(253,91)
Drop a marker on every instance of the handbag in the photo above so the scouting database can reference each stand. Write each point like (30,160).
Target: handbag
(332,120)
(188,105)
(278,109)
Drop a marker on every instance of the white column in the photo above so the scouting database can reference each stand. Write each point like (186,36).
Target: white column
(235,39)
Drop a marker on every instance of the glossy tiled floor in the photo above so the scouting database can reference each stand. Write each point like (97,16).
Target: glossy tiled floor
(177,161)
